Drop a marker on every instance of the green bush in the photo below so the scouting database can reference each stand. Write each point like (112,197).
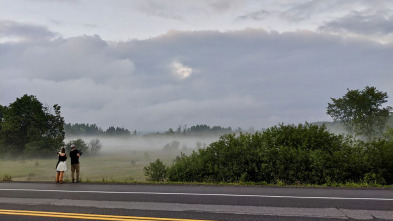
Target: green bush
(379,158)
(156,171)
(288,154)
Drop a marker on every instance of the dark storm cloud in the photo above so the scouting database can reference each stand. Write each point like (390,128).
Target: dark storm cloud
(241,78)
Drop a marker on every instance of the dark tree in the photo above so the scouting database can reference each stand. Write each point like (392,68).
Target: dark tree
(80,145)
(27,126)
(361,111)
(82,129)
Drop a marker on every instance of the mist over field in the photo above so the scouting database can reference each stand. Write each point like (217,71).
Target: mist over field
(121,159)
(147,143)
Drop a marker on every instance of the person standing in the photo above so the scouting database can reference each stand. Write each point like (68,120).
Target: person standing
(61,165)
(75,166)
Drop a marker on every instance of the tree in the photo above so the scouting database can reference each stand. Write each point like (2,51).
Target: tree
(361,111)
(117,131)
(27,126)
(95,146)
(174,146)
(82,129)
(80,145)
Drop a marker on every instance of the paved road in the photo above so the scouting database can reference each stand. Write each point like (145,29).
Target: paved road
(20,201)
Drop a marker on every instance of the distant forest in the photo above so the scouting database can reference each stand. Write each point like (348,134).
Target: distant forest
(93,130)
(81,129)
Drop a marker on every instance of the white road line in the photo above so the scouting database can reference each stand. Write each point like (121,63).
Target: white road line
(202,194)
(335,213)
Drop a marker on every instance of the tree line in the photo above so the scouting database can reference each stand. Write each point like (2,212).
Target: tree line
(82,129)
(196,130)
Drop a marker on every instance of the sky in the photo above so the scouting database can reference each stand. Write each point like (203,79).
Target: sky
(151,65)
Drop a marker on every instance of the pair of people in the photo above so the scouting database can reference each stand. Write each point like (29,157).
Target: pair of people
(62,166)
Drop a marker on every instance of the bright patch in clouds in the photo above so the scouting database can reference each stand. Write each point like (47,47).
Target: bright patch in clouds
(181,71)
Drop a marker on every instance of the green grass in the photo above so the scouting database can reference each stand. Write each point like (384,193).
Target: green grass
(121,167)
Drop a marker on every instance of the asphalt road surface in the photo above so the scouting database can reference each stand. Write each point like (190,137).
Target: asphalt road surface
(49,201)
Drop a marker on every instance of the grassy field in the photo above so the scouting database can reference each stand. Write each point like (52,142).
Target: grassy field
(107,167)
(120,167)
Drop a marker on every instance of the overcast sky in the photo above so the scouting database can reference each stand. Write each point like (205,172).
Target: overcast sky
(152,65)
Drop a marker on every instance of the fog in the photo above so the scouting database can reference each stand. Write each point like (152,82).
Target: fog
(147,143)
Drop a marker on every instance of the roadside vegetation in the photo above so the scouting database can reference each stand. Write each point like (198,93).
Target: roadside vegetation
(308,154)
(287,154)
(305,154)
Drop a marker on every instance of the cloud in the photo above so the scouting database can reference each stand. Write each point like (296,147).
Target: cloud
(244,78)
(90,25)
(24,31)
(221,5)
(144,19)
(290,11)
(306,9)
(356,18)
(188,10)
(181,71)
(74,58)
(160,9)
(258,15)
(378,23)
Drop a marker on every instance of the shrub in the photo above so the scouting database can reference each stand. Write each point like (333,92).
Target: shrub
(156,171)
(288,154)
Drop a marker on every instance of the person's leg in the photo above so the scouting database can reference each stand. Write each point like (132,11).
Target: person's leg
(57,176)
(61,176)
(77,168)
(73,172)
